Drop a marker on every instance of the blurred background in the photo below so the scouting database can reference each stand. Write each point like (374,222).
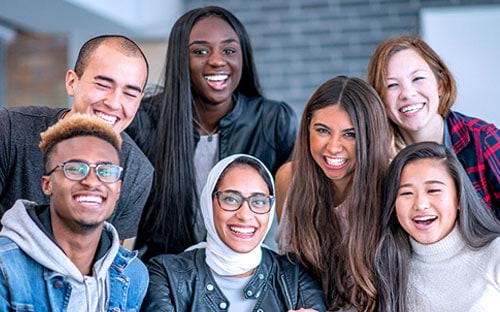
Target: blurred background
(298,44)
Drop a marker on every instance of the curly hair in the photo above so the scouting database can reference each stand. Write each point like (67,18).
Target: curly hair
(77,125)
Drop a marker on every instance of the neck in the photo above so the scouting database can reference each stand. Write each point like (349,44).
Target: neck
(79,247)
(209,115)
(434,132)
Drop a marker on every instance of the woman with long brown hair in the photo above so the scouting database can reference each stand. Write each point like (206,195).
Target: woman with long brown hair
(330,221)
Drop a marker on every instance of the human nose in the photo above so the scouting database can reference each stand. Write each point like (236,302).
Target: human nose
(216,59)
(91,179)
(333,145)
(245,213)
(112,99)
(407,91)
(422,203)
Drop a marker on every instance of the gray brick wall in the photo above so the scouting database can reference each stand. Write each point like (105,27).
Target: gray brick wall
(299,44)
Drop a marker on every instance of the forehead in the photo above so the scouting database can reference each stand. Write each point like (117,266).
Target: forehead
(108,60)
(243,178)
(88,148)
(407,59)
(212,27)
(427,169)
(332,115)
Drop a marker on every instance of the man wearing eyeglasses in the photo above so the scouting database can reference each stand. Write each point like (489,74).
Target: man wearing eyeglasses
(107,81)
(64,256)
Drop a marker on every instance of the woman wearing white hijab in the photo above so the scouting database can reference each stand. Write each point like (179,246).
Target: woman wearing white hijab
(231,271)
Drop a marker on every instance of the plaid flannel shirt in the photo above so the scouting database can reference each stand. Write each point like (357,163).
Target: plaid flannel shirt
(477,145)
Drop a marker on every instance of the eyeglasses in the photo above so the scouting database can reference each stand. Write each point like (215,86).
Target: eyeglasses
(232,201)
(79,170)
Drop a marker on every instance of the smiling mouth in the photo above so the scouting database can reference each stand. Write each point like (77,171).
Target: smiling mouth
(424,220)
(216,78)
(242,230)
(335,163)
(89,200)
(111,120)
(412,108)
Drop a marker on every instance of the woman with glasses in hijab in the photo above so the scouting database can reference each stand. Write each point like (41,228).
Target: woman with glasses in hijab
(232,271)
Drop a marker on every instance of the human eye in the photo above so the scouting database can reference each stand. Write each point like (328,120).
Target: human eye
(229,51)
(350,134)
(231,199)
(418,78)
(259,201)
(131,94)
(76,169)
(103,85)
(405,192)
(200,52)
(392,85)
(434,191)
(321,130)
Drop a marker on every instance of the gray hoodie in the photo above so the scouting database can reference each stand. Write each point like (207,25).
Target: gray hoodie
(88,293)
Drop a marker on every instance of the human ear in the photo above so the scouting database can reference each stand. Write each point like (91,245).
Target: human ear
(71,80)
(47,185)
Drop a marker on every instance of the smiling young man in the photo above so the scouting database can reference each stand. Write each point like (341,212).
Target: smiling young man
(108,82)
(64,256)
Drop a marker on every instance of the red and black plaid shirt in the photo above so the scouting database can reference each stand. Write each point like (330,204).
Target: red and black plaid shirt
(477,145)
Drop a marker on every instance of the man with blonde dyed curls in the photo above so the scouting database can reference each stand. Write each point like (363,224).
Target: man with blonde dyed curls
(64,256)
(108,82)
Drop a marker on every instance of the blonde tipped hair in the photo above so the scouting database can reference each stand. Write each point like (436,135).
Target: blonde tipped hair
(77,125)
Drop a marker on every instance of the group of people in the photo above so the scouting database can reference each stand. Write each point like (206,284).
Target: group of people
(385,198)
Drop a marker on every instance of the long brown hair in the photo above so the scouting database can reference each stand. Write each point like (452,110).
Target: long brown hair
(343,262)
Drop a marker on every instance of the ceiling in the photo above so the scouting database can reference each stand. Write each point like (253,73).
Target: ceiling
(138,19)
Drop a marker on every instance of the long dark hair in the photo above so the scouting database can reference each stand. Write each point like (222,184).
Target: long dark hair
(169,219)
(343,262)
(476,223)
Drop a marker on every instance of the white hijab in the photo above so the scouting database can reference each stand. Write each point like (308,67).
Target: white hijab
(219,257)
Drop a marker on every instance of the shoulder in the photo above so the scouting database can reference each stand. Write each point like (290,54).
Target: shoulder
(33,112)
(284,173)
(268,105)
(126,260)
(7,245)
(457,120)
(187,261)
(133,157)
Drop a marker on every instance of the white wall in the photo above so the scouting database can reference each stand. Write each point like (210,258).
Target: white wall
(468,39)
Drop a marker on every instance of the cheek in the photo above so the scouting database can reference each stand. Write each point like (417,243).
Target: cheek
(402,213)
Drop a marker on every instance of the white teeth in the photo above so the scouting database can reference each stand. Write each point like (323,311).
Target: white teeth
(242,230)
(412,108)
(89,199)
(424,218)
(107,118)
(335,161)
(216,77)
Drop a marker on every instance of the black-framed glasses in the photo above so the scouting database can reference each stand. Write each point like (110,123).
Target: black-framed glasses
(79,170)
(233,200)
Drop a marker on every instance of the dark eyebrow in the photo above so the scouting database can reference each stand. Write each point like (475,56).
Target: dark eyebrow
(239,193)
(426,182)
(230,40)
(321,124)
(104,162)
(348,130)
(112,81)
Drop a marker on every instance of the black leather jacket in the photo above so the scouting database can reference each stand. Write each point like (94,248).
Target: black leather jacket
(257,126)
(184,282)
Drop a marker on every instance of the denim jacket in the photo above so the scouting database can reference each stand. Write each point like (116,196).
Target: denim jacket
(25,285)
(184,282)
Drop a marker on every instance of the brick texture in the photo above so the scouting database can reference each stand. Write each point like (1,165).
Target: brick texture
(35,70)
(298,44)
